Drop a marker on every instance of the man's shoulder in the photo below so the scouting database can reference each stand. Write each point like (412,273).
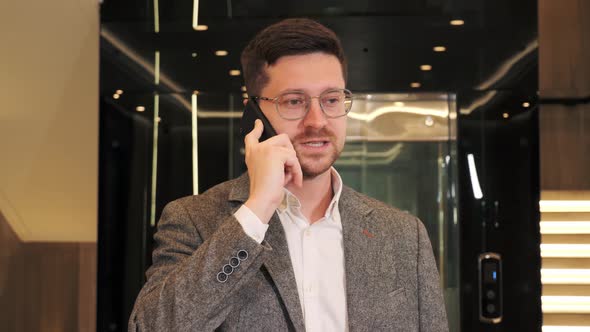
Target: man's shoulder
(381,211)
(373,203)
(214,196)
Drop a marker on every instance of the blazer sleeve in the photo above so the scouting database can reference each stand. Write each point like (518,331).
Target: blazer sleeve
(182,292)
(431,303)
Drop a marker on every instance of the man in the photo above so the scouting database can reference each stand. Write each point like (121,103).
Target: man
(287,246)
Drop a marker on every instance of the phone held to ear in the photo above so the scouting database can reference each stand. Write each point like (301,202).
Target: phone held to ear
(251,113)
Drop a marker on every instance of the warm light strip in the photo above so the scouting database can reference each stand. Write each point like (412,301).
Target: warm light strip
(397,109)
(564,206)
(154,160)
(195,145)
(557,328)
(565,304)
(477,193)
(157,68)
(195,14)
(565,227)
(565,250)
(156,17)
(565,276)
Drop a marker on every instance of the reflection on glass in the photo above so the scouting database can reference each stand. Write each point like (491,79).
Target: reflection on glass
(401,150)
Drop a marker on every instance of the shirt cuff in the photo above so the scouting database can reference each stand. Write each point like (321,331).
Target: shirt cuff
(251,224)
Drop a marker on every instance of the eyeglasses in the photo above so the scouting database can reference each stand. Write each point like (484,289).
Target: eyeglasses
(295,105)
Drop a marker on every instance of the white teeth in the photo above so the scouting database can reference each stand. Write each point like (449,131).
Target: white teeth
(315,144)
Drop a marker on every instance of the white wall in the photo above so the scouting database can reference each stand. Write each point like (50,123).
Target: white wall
(49,53)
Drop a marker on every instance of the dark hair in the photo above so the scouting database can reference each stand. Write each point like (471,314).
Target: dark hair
(293,36)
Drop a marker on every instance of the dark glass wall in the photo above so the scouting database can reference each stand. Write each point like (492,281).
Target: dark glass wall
(153,62)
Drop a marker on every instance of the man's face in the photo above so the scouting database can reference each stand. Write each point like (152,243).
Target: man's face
(317,139)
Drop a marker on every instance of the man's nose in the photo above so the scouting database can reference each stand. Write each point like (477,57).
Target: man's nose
(315,117)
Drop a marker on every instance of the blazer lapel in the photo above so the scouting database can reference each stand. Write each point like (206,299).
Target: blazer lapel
(278,264)
(360,256)
(278,260)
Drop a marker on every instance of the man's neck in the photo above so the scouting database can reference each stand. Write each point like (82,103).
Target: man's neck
(315,195)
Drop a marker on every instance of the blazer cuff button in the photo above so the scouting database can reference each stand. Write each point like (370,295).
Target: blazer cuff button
(242,255)
(227,269)
(234,262)
(221,277)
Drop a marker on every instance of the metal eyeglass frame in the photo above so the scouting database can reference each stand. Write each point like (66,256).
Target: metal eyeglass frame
(275,101)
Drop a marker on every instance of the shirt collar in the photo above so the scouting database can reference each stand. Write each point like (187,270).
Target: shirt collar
(291,202)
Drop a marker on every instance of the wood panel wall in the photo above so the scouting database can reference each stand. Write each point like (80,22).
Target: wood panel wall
(564,72)
(46,286)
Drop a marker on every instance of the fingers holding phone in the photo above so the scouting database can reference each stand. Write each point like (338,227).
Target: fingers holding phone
(272,164)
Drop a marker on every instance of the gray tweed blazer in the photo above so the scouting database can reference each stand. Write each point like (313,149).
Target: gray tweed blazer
(392,282)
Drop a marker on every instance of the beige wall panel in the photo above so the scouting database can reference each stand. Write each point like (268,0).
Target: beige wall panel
(49,118)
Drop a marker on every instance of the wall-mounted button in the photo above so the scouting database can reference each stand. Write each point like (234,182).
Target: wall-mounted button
(490,308)
(490,294)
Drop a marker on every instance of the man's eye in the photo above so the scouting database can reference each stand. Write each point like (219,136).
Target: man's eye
(293,101)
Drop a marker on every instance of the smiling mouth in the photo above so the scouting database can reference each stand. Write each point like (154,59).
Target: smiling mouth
(316,144)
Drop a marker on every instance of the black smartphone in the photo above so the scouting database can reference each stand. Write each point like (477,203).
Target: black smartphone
(251,113)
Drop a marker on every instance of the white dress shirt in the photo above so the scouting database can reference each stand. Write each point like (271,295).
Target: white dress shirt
(317,255)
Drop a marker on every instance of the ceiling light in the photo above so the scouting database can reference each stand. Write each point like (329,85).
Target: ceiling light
(399,104)
(429,122)
(116,96)
(526,104)
(244,88)
(194,55)
(425,67)
(439,48)
(415,85)
(201,28)
(140,108)
(234,72)
(221,53)
(119,92)
(505,115)
(457,22)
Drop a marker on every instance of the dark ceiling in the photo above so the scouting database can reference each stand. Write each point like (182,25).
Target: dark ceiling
(385,41)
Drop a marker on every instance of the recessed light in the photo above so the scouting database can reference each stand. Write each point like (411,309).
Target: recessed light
(194,55)
(234,72)
(425,67)
(201,27)
(415,85)
(439,48)
(140,108)
(429,122)
(457,22)
(221,53)
(526,104)
(116,96)
(505,115)
(119,92)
